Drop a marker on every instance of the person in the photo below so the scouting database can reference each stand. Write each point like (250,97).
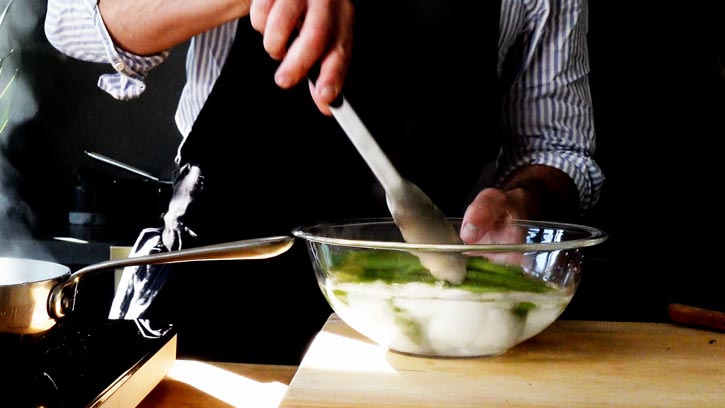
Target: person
(260,155)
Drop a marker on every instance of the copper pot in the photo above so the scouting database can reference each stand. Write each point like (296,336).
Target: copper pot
(33,294)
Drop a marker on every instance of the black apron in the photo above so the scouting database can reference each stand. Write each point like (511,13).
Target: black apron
(423,79)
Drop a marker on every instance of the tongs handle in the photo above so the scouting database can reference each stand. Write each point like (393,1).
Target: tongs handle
(362,139)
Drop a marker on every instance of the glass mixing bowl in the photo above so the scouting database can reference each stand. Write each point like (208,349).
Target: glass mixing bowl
(516,284)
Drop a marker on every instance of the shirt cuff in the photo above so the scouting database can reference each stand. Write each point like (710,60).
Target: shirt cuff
(131,69)
(121,86)
(584,172)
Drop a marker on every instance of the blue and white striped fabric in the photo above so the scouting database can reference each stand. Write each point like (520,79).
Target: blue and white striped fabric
(548,111)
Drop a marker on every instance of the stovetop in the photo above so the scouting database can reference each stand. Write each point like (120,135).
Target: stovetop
(74,364)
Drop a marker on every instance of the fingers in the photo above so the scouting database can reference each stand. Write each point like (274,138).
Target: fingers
(258,13)
(301,33)
(277,20)
(322,105)
(335,61)
(489,206)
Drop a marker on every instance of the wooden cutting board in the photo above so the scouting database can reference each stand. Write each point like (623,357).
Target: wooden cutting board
(571,364)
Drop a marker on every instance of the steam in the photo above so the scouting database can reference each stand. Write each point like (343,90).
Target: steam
(17,105)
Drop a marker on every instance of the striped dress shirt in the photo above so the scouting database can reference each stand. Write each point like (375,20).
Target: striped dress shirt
(548,115)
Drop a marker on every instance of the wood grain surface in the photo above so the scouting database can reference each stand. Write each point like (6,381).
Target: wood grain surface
(571,364)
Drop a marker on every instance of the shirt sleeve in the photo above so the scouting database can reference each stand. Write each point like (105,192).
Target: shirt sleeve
(548,116)
(75,28)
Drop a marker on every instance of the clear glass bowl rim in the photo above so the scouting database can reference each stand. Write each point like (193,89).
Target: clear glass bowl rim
(590,236)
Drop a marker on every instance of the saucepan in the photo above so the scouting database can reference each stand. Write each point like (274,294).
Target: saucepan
(34,293)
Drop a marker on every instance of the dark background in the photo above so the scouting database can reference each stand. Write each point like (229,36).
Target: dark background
(659,98)
(75,116)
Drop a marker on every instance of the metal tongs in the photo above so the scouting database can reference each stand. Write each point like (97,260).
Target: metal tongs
(418,218)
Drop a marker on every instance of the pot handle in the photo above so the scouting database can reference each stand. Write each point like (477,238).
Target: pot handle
(62,296)
(696,316)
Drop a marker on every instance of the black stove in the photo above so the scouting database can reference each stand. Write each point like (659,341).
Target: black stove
(81,364)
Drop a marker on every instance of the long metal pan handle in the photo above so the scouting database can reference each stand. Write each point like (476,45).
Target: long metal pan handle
(61,298)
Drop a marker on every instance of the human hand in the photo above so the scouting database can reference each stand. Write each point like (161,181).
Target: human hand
(484,222)
(533,191)
(302,33)
(484,218)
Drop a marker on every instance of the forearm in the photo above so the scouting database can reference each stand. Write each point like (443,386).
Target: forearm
(146,27)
